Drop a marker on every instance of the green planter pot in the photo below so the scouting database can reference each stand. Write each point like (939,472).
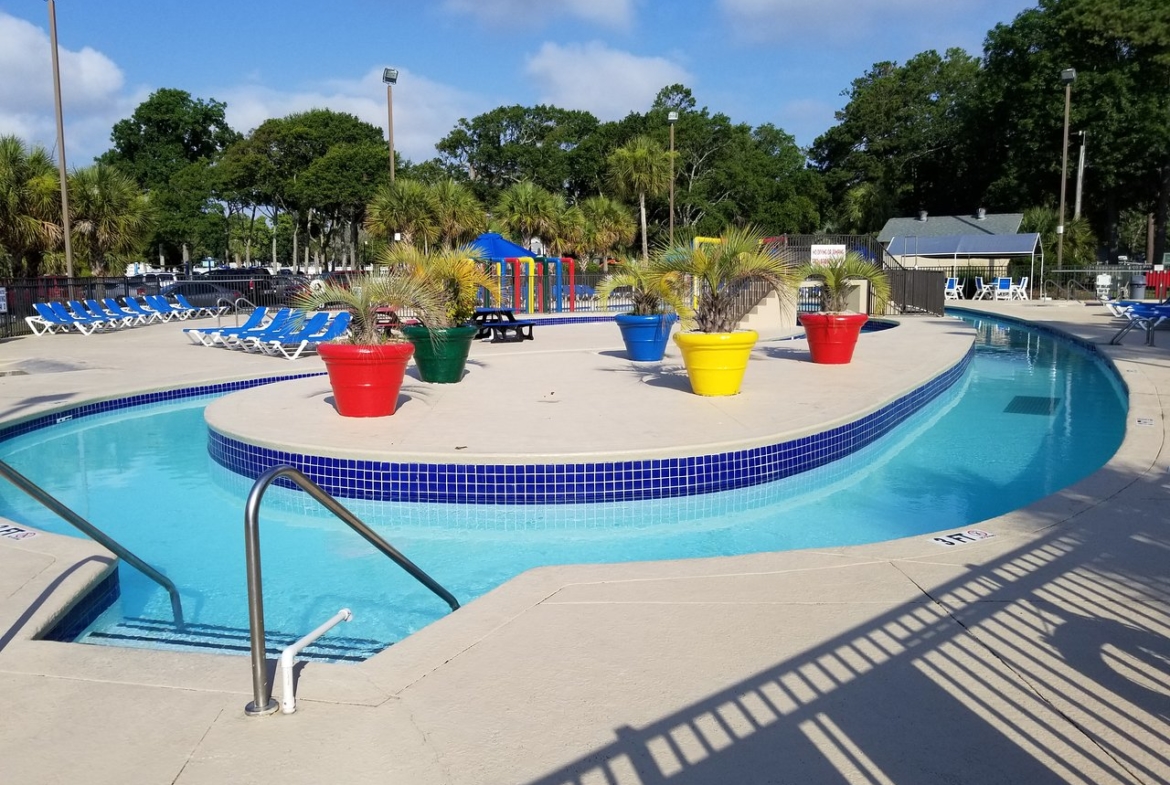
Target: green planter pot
(441,352)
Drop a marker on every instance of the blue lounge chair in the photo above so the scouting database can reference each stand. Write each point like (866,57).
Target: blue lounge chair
(77,309)
(95,309)
(209,336)
(198,310)
(165,306)
(47,320)
(150,313)
(1143,316)
(301,327)
(93,323)
(294,345)
(115,308)
(284,319)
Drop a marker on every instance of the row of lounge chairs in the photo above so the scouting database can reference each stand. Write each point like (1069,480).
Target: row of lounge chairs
(92,316)
(1138,315)
(286,332)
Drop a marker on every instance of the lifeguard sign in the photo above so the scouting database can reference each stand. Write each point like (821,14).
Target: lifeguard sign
(824,255)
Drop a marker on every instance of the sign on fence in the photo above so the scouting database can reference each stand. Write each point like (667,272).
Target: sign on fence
(824,255)
(3,300)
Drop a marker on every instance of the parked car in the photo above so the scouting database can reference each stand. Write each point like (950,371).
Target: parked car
(287,287)
(255,282)
(203,294)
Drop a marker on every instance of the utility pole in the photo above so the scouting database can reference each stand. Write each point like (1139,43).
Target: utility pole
(66,228)
(1080,175)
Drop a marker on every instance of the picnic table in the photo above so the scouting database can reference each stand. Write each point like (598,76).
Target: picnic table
(501,325)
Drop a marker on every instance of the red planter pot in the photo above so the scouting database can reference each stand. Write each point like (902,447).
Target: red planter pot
(832,336)
(365,379)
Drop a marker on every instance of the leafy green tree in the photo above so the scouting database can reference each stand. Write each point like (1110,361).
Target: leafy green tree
(109,215)
(168,134)
(1121,53)
(403,207)
(903,134)
(30,206)
(1080,244)
(512,144)
(168,131)
(608,225)
(459,216)
(526,211)
(338,186)
(640,168)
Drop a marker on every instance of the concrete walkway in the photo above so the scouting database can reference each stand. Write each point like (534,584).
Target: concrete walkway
(1037,655)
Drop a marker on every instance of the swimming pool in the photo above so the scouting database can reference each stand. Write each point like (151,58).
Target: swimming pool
(1031,415)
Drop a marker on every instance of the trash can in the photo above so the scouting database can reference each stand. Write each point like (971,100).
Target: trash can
(1137,286)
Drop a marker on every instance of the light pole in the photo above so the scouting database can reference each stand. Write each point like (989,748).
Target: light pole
(390,77)
(672,118)
(1080,175)
(1067,76)
(65,226)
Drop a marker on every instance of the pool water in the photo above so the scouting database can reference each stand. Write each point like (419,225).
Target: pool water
(1033,414)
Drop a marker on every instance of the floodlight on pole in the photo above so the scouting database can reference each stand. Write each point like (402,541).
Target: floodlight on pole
(66,228)
(1067,76)
(390,77)
(672,118)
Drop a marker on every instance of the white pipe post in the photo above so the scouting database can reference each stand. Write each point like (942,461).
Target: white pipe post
(288,699)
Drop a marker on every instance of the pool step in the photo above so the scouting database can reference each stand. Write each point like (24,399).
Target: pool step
(157,634)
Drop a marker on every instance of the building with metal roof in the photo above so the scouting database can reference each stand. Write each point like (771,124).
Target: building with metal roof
(926,225)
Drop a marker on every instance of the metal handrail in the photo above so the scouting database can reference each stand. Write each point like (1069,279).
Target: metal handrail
(94,533)
(262,702)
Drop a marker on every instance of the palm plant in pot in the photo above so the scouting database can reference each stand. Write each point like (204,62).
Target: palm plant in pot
(723,274)
(367,366)
(832,332)
(657,301)
(456,275)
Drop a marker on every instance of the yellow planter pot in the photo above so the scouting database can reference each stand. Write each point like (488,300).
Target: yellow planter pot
(716,361)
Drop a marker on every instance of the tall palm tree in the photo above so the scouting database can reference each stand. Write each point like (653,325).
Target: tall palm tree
(30,213)
(568,227)
(608,224)
(110,215)
(526,210)
(406,207)
(458,214)
(640,168)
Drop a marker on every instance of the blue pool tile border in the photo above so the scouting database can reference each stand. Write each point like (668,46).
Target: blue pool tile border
(576,483)
(114,404)
(95,602)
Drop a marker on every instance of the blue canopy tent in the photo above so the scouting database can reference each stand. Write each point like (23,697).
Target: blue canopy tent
(498,248)
(986,246)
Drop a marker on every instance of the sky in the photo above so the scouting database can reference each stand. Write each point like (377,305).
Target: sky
(784,62)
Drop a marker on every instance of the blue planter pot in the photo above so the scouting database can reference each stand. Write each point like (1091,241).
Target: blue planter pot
(645,336)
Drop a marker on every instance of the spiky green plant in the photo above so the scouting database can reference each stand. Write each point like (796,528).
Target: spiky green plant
(402,292)
(455,275)
(841,276)
(652,294)
(719,271)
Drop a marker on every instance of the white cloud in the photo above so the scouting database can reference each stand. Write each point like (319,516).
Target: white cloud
(616,14)
(607,82)
(92,92)
(424,111)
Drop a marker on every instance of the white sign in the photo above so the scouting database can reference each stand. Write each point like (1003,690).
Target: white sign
(824,255)
(17,533)
(3,300)
(963,538)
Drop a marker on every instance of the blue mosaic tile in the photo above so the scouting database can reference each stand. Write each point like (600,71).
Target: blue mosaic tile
(70,626)
(583,482)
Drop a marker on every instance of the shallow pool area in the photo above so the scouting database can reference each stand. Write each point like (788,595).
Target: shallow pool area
(1031,415)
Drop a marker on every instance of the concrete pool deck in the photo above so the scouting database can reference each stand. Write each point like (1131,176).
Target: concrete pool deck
(1040,654)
